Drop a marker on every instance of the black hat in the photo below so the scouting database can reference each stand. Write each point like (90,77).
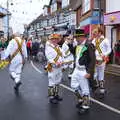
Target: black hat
(79,32)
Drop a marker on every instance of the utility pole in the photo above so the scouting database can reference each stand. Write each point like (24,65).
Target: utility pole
(8,20)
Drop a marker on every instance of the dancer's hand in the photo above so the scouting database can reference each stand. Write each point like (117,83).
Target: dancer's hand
(87,76)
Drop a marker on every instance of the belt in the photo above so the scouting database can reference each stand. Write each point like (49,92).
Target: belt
(67,55)
(99,62)
(55,66)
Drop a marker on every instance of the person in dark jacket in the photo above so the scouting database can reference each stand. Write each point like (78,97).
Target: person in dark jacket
(35,48)
(117,52)
(84,69)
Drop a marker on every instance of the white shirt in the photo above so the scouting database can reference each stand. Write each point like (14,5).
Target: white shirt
(12,47)
(65,49)
(78,54)
(51,54)
(104,46)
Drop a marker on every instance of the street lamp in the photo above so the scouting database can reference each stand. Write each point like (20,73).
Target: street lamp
(8,18)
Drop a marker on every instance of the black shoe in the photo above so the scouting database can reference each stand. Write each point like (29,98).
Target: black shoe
(79,104)
(102,93)
(16,87)
(83,110)
(58,98)
(53,100)
(94,89)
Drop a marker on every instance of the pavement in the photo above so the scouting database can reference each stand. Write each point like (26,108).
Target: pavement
(113,69)
(32,102)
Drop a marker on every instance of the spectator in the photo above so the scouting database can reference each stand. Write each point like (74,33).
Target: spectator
(29,48)
(117,52)
(35,48)
(3,46)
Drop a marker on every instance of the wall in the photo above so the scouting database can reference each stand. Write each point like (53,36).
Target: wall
(5,25)
(112,6)
(1,24)
(108,33)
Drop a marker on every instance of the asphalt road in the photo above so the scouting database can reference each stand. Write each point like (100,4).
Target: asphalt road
(32,102)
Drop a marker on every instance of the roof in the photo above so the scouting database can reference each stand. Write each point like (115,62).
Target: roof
(74,5)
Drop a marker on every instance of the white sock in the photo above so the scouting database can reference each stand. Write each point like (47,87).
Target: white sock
(17,80)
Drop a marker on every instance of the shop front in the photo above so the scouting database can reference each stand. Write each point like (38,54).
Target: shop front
(91,22)
(112,23)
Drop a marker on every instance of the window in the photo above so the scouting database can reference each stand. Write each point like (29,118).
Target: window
(61,18)
(54,7)
(45,11)
(96,3)
(40,25)
(37,25)
(53,1)
(44,23)
(65,3)
(86,6)
(50,22)
(31,28)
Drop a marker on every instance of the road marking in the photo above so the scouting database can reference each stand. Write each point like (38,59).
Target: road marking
(95,101)
(92,99)
(36,68)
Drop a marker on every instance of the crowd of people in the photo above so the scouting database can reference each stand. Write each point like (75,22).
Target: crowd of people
(82,58)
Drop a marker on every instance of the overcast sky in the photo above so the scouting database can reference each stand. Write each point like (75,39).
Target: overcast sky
(23,12)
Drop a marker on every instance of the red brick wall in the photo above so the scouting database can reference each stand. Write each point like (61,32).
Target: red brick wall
(49,10)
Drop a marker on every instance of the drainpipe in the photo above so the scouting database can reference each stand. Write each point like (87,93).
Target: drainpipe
(100,13)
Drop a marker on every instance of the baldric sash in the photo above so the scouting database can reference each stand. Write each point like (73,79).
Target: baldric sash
(5,63)
(18,50)
(98,42)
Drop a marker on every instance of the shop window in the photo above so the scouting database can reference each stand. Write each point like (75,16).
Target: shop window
(96,3)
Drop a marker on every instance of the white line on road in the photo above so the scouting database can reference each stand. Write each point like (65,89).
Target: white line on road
(95,101)
(92,99)
(36,68)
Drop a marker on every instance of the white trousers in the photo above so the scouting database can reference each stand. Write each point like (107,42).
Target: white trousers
(99,72)
(55,77)
(79,82)
(15,71)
